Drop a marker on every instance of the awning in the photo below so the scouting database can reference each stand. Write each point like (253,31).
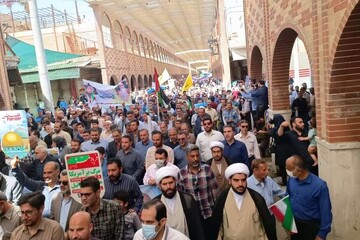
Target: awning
(57,74)
(238,53)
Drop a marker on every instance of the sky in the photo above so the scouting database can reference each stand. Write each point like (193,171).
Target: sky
(69,5)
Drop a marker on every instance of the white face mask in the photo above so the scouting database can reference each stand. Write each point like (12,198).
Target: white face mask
(159,163)
(290,174)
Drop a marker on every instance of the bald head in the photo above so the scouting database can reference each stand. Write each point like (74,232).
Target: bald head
(80,226)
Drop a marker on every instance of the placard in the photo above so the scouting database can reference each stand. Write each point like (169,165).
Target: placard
(80,166)
(14,133)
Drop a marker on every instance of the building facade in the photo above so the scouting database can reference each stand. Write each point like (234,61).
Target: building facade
(330,32)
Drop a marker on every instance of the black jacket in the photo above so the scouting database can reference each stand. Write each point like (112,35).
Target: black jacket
(266,219)
(112,150)
(192,215)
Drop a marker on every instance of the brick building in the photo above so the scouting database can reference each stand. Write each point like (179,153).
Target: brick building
(330,32)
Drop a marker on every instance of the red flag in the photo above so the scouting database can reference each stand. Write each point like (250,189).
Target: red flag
(156,79)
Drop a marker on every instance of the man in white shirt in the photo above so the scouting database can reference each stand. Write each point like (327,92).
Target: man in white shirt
(204,138)
(212,112)
(61,133)
(153,217)
(161,160)
(158,141)
(249,139)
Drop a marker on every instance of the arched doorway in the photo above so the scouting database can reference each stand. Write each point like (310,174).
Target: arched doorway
(343,101)
(146,82)
(113,80)
(279,83)
(140,83)
(133,83)
(150,80)
(256,63)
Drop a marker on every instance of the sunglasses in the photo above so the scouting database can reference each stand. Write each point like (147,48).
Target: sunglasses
(65,183)
(244,126)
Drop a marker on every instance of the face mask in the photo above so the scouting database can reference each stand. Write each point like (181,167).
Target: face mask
(159,163)
(149,231)
(290,174)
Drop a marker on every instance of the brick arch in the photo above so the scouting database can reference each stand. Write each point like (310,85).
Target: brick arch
(133,84)
(140,82)
(146,81)
(150,80)
(113,80)
(343,105)
(256,63)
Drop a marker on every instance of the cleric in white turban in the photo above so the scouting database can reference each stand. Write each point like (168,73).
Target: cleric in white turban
(216,144)
(241,200)
(165,172)
(236,168)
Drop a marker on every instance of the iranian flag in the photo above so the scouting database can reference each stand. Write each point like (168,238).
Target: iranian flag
(283,212)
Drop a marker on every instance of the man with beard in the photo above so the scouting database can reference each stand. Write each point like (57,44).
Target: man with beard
(199,181)
(60,133)
(114,146)
(145,142)
(49,187)
(240,212)
(117,181)
(34,225)
(172,141)
(132,161)
(295,146)
(219,164)
(106,216)
(234,150)
(75,146)
(179,151)
(182,211)
(63,206)
(94,142)
(158,141)
(203,139)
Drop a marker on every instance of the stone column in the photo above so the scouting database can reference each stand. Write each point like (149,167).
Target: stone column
(339,166)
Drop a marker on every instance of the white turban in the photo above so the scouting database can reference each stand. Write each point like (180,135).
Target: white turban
(216,144)
(165,172)
(236,168)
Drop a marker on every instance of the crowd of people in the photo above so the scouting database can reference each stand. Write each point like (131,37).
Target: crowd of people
(206,152)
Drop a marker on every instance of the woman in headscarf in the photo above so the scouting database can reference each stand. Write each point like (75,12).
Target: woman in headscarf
(281,147)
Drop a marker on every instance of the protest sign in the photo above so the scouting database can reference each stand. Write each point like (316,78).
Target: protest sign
(14,133)
(80,166)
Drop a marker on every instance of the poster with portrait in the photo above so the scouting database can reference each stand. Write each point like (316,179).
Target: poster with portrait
(80,166)
(101,94)
(14,133)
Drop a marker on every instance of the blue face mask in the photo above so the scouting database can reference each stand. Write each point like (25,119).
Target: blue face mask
(149,231)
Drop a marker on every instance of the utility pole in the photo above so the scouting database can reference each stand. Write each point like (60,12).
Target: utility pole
(77,13)
(40,56)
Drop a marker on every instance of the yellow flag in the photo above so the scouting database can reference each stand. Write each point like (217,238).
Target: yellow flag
(188,83)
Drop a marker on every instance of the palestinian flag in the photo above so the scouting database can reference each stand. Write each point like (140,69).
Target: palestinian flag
(283,213)
(163,99)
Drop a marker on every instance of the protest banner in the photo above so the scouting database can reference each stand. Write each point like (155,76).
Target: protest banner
(101,94)
(14,133)
(80,166)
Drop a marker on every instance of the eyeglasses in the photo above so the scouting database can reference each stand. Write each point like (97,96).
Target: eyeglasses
(84,194)
(65,183)
(26,213)
(244,126)
(207,124)
(181,139)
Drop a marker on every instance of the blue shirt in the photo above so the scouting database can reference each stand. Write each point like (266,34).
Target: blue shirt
(65,208)
(180,157)
(253,101)
(142,148)
(236,152)
(91,146)
(310,200)
(267,188)
(124,183)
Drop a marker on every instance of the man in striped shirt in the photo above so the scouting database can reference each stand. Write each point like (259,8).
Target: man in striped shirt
(117,181)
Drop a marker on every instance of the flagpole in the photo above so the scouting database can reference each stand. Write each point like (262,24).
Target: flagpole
(158,107)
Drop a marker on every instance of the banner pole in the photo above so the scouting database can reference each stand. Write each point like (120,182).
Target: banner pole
(158,107)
